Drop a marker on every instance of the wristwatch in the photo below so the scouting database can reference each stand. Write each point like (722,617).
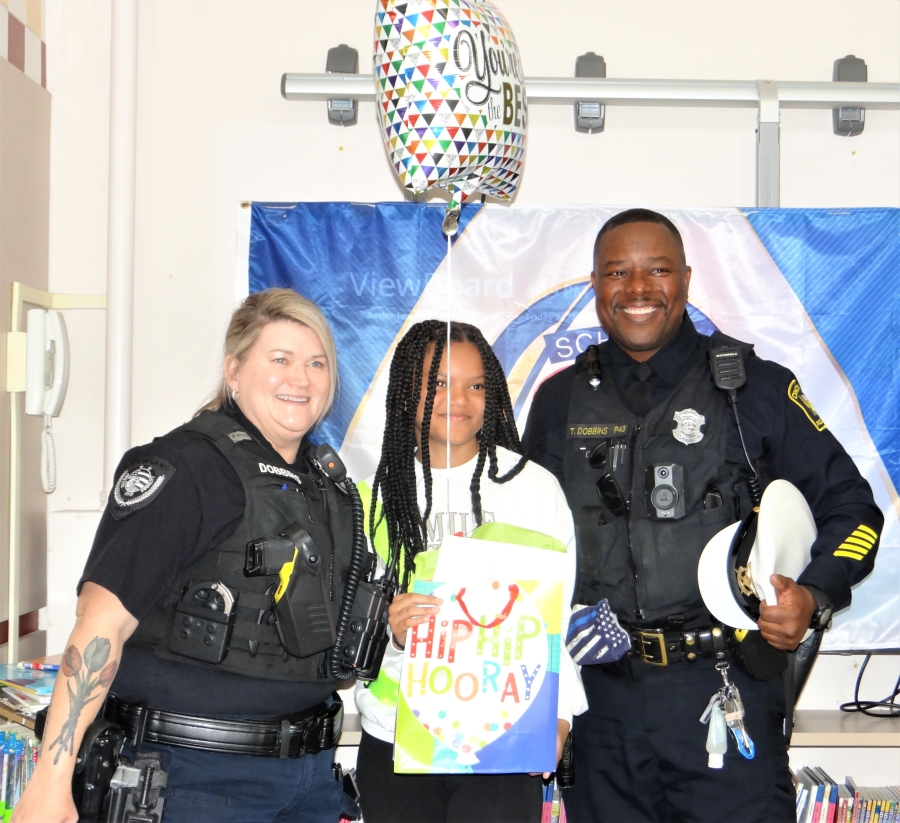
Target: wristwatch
(821,617)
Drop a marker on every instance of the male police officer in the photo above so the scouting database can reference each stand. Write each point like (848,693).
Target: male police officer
(640,750)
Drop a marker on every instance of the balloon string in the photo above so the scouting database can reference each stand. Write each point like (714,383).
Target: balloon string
(447,348)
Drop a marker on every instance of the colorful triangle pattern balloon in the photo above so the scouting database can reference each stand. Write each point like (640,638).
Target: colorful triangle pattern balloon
(451,96)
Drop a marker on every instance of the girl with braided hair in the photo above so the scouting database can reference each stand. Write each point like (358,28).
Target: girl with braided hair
(414,499)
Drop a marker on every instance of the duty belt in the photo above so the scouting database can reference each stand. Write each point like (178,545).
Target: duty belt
(308,732)
(663,647)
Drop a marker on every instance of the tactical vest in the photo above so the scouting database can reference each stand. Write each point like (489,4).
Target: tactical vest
(647,568)
(276,495)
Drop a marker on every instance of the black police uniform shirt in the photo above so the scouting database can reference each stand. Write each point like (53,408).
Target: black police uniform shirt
(140,557)
(775,428)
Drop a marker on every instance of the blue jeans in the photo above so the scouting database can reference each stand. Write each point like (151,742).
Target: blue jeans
(210,787)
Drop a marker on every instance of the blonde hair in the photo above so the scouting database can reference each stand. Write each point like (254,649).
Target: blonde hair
(270,306)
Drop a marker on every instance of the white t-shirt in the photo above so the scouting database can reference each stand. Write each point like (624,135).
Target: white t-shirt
(533,500)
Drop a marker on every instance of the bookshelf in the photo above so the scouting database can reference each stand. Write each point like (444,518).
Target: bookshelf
(836,729)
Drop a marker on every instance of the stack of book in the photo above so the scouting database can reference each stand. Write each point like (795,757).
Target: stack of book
(26,691)
(821,799)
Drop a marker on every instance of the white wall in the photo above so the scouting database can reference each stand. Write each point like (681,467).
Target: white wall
(214,130)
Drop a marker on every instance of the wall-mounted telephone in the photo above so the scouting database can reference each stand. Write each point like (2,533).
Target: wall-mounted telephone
(46,380)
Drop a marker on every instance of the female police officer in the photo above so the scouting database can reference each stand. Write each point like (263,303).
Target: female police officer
(168,617)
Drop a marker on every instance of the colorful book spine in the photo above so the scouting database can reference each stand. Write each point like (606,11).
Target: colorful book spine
(822,799)
(832,804)
(854,799)
(816,793)
(3,777)
(802,799)
(18,757)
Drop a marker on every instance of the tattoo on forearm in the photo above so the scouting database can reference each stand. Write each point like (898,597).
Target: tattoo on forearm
(82,669)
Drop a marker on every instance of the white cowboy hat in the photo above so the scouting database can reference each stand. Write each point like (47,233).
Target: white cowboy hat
(735,566)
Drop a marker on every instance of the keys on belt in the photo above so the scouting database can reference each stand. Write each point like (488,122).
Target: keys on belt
(661,647)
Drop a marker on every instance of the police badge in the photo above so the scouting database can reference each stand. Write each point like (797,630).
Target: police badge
(687,430)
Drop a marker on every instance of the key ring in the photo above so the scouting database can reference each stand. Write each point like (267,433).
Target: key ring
(722,668)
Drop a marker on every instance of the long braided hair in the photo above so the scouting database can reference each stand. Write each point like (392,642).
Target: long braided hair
(395,476)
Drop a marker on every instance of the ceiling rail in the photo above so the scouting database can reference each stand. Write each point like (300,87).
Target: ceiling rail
(621,92)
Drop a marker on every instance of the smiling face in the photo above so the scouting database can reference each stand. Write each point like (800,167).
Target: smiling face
(466,408)
(641,284)
(282,385)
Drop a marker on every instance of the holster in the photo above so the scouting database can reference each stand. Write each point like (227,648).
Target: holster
(754,656)
(97,760)
(565,769)
(800,663)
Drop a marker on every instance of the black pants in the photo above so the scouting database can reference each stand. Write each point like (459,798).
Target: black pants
(386,797)
(640,752)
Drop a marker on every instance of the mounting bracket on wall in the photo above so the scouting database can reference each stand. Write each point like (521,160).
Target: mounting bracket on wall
(850,121)
(590,115)
(342,60)
(768,96)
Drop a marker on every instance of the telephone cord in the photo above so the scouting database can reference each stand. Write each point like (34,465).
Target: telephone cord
(48,457)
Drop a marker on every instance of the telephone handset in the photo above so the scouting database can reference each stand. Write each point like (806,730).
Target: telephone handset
(46,380)
(47,363)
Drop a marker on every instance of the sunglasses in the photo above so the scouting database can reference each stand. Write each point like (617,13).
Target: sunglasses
(607,488)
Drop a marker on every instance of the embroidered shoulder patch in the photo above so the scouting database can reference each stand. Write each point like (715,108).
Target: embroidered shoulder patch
(139,485)
(239,436)
(797,396)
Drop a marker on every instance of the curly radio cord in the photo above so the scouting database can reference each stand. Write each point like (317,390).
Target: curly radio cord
(354,574)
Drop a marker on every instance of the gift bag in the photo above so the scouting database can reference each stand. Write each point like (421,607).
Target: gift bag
(480,680)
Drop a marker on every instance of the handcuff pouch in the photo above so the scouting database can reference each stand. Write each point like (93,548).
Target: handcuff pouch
(204,621)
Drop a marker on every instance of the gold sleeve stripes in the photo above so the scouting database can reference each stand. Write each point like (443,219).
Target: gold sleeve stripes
(858,544)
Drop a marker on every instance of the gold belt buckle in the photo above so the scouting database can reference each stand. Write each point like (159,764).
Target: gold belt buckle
(653,648)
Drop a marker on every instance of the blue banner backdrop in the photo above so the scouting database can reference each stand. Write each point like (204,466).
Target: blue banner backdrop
(811,288)
(364,265)
(842,265)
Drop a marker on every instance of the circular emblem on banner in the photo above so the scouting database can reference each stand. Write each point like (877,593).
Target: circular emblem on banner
(687,429)
(139,484)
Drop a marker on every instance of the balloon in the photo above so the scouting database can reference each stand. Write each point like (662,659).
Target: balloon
(451,96)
